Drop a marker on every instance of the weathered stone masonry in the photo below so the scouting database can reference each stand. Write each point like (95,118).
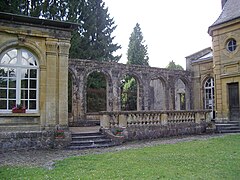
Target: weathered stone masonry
(115,72)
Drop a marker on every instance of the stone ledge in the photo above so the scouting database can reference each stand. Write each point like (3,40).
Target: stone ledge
(19,114)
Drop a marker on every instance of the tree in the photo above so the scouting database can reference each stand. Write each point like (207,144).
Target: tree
(136,54)
(92,40)
(95,36)
(137,51)
(174,66)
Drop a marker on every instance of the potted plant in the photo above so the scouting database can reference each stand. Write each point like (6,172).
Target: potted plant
(59,134)
(19,108)
(119,132)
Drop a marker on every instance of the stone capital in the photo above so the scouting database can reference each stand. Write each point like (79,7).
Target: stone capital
(52,47)
(64,48)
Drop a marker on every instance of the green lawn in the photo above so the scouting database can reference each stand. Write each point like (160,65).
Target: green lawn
(217,158)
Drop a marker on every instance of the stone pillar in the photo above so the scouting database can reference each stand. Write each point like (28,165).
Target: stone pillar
(217,72)
(116,92)
(105,121)
(164,118)
(51,84)
(43,95)
(63,83)
(122,121)
(171,93)
(145,94)
(82,96)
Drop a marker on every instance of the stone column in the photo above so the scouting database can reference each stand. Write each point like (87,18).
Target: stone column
(145,94)
(116,92)
(171,93)
(82,95)
(63,83)
(51,84)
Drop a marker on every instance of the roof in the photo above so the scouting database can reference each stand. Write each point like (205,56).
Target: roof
(203,54)
(231,11)
(38,22)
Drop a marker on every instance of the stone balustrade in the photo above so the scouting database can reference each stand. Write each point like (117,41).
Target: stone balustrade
(126,119)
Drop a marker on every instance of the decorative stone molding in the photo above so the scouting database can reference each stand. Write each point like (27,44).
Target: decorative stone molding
(52,47)
(64,48)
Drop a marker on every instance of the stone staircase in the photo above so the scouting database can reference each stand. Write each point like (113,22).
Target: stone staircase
(89,140)
(228,127)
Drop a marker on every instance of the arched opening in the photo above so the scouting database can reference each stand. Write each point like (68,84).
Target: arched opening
(157,94)
(180,95)
(209,96)
(19,76)
(96,92)
(129,93)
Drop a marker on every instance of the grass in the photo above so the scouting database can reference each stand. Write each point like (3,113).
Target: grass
(217,158)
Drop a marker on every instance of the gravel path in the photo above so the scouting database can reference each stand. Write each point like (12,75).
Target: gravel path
(47,158)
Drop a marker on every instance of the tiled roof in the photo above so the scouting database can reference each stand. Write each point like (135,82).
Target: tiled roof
(231,11)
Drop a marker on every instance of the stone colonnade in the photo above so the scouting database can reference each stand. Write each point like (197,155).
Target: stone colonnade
(172,82)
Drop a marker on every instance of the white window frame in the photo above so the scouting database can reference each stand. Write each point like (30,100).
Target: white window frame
(19,67)
(209,86)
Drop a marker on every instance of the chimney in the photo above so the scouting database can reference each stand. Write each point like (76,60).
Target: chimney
(223,3)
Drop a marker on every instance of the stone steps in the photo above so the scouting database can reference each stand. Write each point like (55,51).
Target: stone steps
(228,127)
(89,140)
(85,123)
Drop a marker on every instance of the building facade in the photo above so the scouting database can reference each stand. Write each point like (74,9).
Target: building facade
(33,73)
(216,71)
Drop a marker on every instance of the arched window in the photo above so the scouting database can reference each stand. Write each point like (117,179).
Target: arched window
(209,95)
(18,80)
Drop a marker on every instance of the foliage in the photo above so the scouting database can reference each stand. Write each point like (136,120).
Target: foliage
(129,94)
(174,66)
(136,54)
(217,158)
(96,92)
(94,37)
(137,51)
(92,40)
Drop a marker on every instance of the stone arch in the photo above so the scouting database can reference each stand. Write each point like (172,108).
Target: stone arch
(182,93)
(108,90)
(158,93)
(27,44)
(139,100)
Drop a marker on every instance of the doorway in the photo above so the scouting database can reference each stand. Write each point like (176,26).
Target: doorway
(233,95)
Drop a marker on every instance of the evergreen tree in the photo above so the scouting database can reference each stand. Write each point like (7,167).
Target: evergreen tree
(137,51)
(95,36)
(174,66)
(92,40)
(136,54)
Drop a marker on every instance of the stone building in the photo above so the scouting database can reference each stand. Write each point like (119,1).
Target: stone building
(215,71)
(33,77)
(34,68)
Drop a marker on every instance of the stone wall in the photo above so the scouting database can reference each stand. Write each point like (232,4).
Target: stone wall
(27,140)
(160,131)
(153,124)
(202,70)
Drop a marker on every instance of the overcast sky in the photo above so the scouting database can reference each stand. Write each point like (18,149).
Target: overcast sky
(172,29)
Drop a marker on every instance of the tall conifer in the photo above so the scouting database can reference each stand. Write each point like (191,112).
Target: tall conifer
(137,51)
